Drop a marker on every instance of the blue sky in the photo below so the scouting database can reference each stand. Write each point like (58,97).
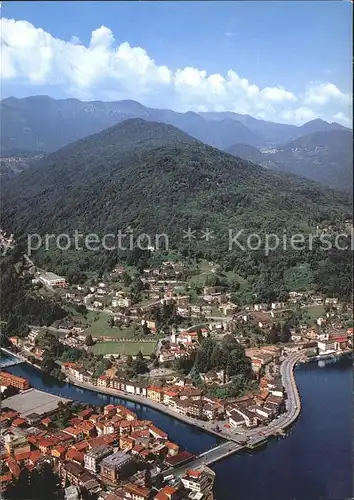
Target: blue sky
(283,61)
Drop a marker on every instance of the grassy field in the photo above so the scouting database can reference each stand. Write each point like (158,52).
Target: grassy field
(101,327)
(124,348)
(316,312)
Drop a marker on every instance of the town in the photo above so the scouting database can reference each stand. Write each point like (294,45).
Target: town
(176,338)
(106,452)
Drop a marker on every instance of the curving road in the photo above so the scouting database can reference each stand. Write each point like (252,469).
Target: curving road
(253,436)
(235,439)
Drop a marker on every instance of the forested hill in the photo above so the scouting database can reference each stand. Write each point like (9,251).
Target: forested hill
(154,178)
(324,156)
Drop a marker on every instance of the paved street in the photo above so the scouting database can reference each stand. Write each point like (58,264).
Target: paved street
(253,435)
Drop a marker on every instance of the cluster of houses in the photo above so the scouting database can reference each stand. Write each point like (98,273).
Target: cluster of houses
(251,411)
(183,398)
(103,452)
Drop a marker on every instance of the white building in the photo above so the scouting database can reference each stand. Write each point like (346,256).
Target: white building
(52,280)
(33,335)
(94,456)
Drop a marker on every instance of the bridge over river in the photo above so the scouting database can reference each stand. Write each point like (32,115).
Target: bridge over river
(7,358)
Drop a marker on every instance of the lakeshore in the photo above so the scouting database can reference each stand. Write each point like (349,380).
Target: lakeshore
(240,439)
(302,467)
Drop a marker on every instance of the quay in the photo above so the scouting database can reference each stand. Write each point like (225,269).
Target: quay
(204,426)
(11,358)
(256,437)
(233,442)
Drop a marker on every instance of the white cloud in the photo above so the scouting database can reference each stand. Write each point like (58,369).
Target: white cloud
(278,94)
(298,115)
(340,117)
(107,70)
(75,40)
(324,93)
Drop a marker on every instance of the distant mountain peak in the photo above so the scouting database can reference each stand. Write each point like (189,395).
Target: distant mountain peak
(316,121)
(42,123)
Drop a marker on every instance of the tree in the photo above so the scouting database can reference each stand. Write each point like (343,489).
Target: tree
(147,479)
(146,329)
(139,366)
(140,356)
(10,391)
(129,360)
(285,334)
(235,286)
(126,279)
(273,335)
(89,340)
(39,484)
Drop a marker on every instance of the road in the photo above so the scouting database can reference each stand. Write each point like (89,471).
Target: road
(205,426)
(252,436)
(235,439)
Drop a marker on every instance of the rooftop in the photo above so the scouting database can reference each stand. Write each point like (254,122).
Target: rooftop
(50,276)
(116,459)
(34,401)
(98,450)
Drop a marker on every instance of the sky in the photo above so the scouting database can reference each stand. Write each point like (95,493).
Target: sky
(282,61)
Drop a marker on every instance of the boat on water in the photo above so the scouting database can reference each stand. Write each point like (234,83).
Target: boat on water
(326,355)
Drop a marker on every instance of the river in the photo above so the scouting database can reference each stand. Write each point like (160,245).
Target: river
(314,462)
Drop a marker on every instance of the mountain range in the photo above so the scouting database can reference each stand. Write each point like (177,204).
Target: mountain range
(41,124)
(153,178)
(325,157)
(47,124)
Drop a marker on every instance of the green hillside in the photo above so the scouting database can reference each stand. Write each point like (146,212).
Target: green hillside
(153,178)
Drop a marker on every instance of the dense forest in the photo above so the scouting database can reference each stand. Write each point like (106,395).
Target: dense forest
(19,305)
(152,178)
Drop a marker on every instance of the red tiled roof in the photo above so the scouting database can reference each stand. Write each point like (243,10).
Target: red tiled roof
(60,449)
(158,431)
(74,455)
(124,423)
(19,421)
(5,478)
(72,430)
(85,413)
(51,441)
(14,467)
(22,456)
(75,421)
(86,425)
(35,456)
(81,446)
(193,473)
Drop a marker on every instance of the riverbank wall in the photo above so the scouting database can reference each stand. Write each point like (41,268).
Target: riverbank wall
(147,402)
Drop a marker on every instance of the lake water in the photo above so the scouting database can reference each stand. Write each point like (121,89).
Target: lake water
(314,462)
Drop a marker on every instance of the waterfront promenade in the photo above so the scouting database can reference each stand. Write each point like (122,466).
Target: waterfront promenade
(256,436)
(205,426)
(236,439)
